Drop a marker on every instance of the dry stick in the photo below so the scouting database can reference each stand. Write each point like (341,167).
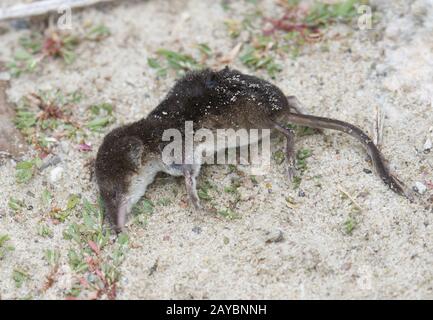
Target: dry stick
(350,197)
(43,7)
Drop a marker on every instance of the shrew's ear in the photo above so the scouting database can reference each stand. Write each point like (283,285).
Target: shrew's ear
(132,151)
(211,80)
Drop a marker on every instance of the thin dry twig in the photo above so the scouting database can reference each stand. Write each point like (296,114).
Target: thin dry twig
(352,199)
(228,58)
(43,7)
(378,126)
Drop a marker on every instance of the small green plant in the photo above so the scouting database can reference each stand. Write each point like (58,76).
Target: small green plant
(296,182)
(155,64)
(94,256)
(247,23)
(228,214)
(22,62)
(37,47)
(25,170)
(52,257)
(4,246)
(40,114)
(98,33)
(232,168)
(301,156)
(204,49)
(234,27)
(15,204)
(178,62)
(349,225)
(233,188)
(142,210)
(74,291)
(111,268)
(44,231)
(144,207)
(76,261)
(279,156)
(289,33)
(203,191)
(163,202)
(25,119)
(62,214)
(101,116)
(302,131)
(92,228)
(327,13)
(256,58)
(46,197)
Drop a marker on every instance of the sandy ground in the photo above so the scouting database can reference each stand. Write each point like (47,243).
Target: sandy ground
(180,254)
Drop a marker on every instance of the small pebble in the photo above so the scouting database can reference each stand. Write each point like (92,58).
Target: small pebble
(367,171)
(420,187)
(196,230)
(30,194)
(20,24)
(55,174)
(50,161)
(301,193)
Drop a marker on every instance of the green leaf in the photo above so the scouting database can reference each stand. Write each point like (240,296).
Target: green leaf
(98,123)
(25,119)
(97,109)
(204,49)
(153,63)
(68,56)
(4,248)
(73,200)
(15,204)
(52,257)
(99,32)
(19,276)
(228,214)
(76,261)
(177,60)
(25,165)
(22,55)
(122,239)
(46,197)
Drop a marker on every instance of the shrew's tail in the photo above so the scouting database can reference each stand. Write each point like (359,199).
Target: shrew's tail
(376,156)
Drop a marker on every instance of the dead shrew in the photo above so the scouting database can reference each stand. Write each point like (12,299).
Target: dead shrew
(130,156)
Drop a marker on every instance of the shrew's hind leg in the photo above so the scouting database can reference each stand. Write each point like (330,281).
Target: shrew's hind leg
(290,150)
(191,185)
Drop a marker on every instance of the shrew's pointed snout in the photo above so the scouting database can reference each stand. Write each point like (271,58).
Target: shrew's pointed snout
(116,215)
